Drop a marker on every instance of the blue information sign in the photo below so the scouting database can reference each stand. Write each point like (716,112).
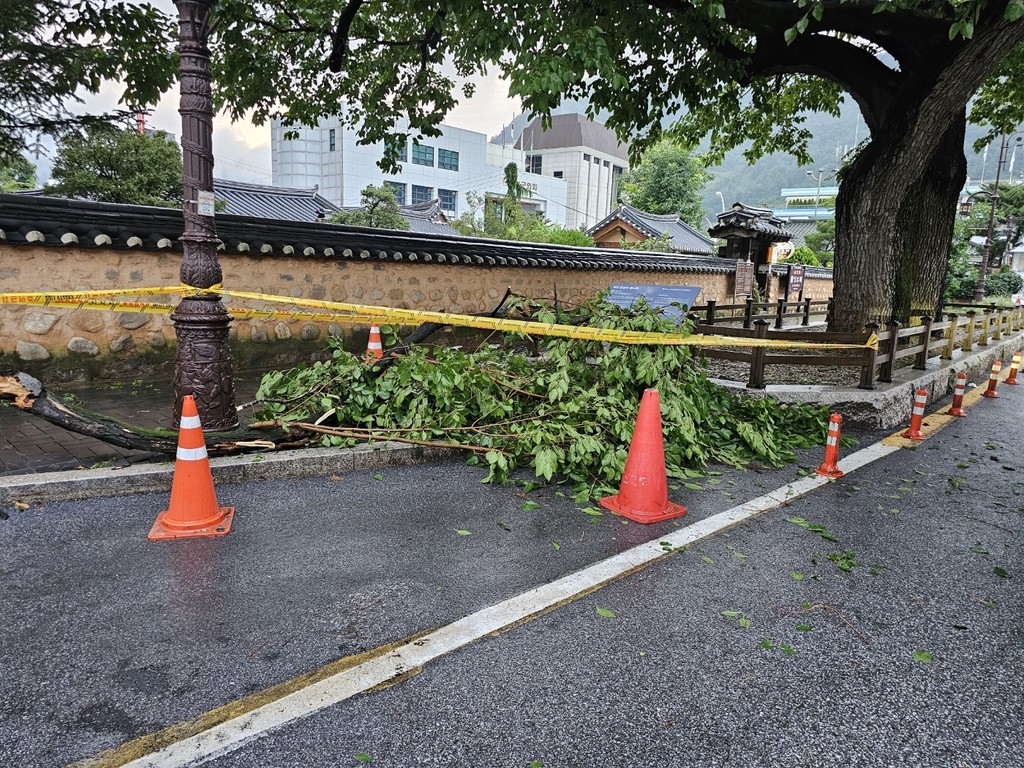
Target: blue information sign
(663,296)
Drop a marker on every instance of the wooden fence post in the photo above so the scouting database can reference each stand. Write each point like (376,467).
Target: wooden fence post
(953,317)
(921,360)
(969,334)
(867,371)
(986,318)
(807,312)
(780,313)
(711,312)
(885,371)
(828,314)
(997,331)
(748,312)
(756,378)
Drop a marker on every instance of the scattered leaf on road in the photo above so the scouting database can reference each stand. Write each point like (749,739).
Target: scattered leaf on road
(796,575)
(925,657)
(464,533)
(605,612)
(1000,572)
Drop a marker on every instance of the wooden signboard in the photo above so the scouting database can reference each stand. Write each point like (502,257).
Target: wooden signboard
(663,296)
(796,279)
(744,278)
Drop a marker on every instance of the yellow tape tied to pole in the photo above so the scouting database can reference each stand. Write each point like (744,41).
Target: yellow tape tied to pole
(359,313)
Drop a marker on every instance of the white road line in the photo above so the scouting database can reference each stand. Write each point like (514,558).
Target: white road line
(230,735)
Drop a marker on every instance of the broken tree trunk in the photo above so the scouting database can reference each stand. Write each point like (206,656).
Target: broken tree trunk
(28,394)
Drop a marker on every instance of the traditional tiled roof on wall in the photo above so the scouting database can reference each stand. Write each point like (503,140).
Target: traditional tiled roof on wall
(747,221)
(685,238)
(262,201)
(59,222)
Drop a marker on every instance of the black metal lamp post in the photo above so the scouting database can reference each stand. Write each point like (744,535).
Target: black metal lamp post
(202,367)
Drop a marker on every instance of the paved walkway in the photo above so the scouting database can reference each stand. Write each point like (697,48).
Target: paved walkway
(29,444)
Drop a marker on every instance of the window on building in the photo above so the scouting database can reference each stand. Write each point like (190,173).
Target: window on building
(332,140)
(616,170)
(606,163)
(533,164)
(398,189)
(449,199)
(558,174)
(420,194)
(597,161)
(586,157)
(422,155)
(403,152)
(447,160)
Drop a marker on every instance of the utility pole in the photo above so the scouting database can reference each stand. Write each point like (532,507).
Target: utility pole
(1004,145)
(202,367)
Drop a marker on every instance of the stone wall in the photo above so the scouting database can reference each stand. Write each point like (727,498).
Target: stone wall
(79,344)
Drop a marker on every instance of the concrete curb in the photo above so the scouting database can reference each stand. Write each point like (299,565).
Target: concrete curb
(156,478)
(889,405)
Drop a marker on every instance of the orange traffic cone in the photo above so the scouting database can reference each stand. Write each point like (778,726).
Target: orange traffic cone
(1014,367)
(828,467)
(920,400)
(957,408)
(643,494)
(193,510)
(374,349)
(993,379)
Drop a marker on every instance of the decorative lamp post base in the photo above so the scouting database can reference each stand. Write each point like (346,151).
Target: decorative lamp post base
(202,367)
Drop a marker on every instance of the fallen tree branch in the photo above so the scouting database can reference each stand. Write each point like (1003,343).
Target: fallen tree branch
(28,394)
(363,434)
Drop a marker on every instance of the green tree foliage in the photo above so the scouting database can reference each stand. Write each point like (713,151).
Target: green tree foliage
(570,413)
(17,173)
(379,209)
(822,241)
(804,255)
(660,244)
(52,51)
(668,180)
(505,219)
(114,165)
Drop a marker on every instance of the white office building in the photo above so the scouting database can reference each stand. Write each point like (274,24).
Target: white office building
(445,168)
(583,153)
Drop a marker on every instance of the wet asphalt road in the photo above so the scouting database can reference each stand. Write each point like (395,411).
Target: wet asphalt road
(106,636)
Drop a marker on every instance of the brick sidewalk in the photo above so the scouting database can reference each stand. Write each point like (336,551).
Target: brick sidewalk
(29,444)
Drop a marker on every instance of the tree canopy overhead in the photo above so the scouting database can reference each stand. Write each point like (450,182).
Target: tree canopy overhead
(52,51)
(668,180)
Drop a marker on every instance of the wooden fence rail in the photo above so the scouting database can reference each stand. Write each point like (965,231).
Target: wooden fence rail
(976,326)
(714,313)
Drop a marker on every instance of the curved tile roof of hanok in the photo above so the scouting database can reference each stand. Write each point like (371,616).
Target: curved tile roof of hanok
(58,221)
(685,238)
(746,221)
(288,203)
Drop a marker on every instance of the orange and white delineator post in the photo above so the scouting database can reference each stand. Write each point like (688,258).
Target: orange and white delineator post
(829,467)
(993,379)
(1014,367)
(957,408)
(193,511)
(374,348)
(917,416)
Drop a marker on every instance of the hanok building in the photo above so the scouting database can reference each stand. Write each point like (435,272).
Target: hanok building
(750,235)
(627,224)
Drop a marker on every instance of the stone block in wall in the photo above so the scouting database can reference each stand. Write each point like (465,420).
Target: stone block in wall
(310,332)
(156,340)
(377,295)
(335,330)
(416,296)
(357,292)
(396,293)
(282,331)
(295,293)
(40,323)
(317,292)
(435,295)
(86,320)
(131,321)
(27,350)
(121,343)
(81,346)
(338,293)
(258,334)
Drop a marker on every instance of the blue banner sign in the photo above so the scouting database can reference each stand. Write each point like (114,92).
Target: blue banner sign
(663,296)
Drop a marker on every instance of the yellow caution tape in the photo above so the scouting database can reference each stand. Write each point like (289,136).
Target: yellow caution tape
(358,313)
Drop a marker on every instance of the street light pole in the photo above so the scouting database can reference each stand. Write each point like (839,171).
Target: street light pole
(202,366)
(817,195)
(1004,144)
